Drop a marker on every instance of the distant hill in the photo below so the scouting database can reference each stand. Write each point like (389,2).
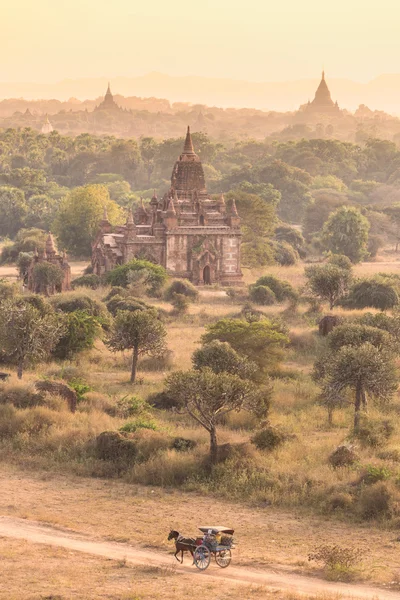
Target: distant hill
(382,93)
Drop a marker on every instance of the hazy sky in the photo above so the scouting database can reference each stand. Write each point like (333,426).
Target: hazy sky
(48,40)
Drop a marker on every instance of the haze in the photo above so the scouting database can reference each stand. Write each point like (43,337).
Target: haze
(255,40)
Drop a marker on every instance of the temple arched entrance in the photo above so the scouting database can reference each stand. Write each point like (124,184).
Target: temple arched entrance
(207,275)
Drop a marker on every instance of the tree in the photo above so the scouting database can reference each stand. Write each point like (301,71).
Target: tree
(284,233)
(257,222)
(47,278)
(139,331)
(220,357)
(317,213)
(207,397)
(81,330)
(79,216)
(26,335)
(376,292)
(365,371)
(154,275)
(260,341)
(346,232)
(148,151)
(328,282)
(283,290)
(13,209)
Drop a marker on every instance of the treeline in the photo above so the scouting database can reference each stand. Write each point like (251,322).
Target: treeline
(297,182)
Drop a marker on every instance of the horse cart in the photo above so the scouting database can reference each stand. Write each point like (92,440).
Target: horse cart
(216,542)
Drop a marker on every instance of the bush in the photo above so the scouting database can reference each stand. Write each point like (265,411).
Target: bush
(338,561)
(262,294)
(375,501)
(183,287)
(375,292)
(282,289)
(161,401)
(20,395)
(284,254)
(180,302)
(118,303)
(373,474)
(343,456)
(340,501)
(113,446)
(117,290)
(70,302)
(133,426)
(91,281)
(181,444)
(374,434)
(155,275)
(81,331)
(268,438)
(129,406)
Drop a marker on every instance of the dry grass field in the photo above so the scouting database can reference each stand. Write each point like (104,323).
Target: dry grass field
(283,503)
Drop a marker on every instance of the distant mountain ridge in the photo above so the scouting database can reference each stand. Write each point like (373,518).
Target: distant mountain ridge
(381,93)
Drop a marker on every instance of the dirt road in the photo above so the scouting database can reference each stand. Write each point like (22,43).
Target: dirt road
(42,534)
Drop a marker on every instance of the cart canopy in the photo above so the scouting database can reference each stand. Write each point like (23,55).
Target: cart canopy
(214,529)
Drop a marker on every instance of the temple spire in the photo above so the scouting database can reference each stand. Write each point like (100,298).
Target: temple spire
(171,208)
(129,220)
(50,245)
(188,147)
(234,211)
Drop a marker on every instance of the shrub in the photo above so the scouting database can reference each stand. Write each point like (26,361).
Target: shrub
(375,292)
(118,303)
(268,438)
(133,426)
(81,331)
(155,275)
(282,289)
(81,388)
(338,561)
(180,302)
(373,474)
(113,446)
(340,501)
(375,501)
(262,294)
(161,401)
(343,456)
(374,433)
(182,287)
(129,406)
(284,254)
(181,444)
(91,281)
(20,395)
(117,290)
(392,454)
(70,302)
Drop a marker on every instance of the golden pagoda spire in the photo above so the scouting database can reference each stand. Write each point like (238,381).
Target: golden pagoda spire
(188,147)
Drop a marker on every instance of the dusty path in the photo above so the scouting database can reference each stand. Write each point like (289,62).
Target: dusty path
(42,534)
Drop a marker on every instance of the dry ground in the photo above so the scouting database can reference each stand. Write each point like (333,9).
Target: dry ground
(115,511)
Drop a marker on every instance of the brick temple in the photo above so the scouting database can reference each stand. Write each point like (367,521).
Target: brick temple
(187,232)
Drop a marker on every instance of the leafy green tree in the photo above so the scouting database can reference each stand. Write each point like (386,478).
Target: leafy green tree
(207,397)
(26,335)
(356,334)
(26,240)
(290,235)
(376,292)
(220,357)
(80,332)
(41,212)
(317,213)
(148,151)
(79,215)
(364,371)
(13,209)
(23,263)
(260,341)
(155,275)
(262,294)
(47,278)
(139,331)
(328,282)
(283,290)
(346,232)
(257,223)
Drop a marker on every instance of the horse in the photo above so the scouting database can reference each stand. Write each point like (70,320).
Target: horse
(182,544)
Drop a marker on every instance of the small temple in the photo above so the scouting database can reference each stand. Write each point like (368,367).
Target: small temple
(50,255)
(322,103)
(47,127)
(186,231)
(108,103)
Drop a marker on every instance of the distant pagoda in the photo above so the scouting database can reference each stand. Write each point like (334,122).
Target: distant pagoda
(108,102)
(322,103)
(47,127)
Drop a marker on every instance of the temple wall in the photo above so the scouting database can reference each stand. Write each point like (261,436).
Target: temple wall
(177,253)
(230,255)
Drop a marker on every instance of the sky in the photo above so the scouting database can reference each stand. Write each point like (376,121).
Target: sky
(258,40)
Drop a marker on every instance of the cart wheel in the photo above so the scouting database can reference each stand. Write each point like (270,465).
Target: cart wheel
(223,558)
(202,557)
